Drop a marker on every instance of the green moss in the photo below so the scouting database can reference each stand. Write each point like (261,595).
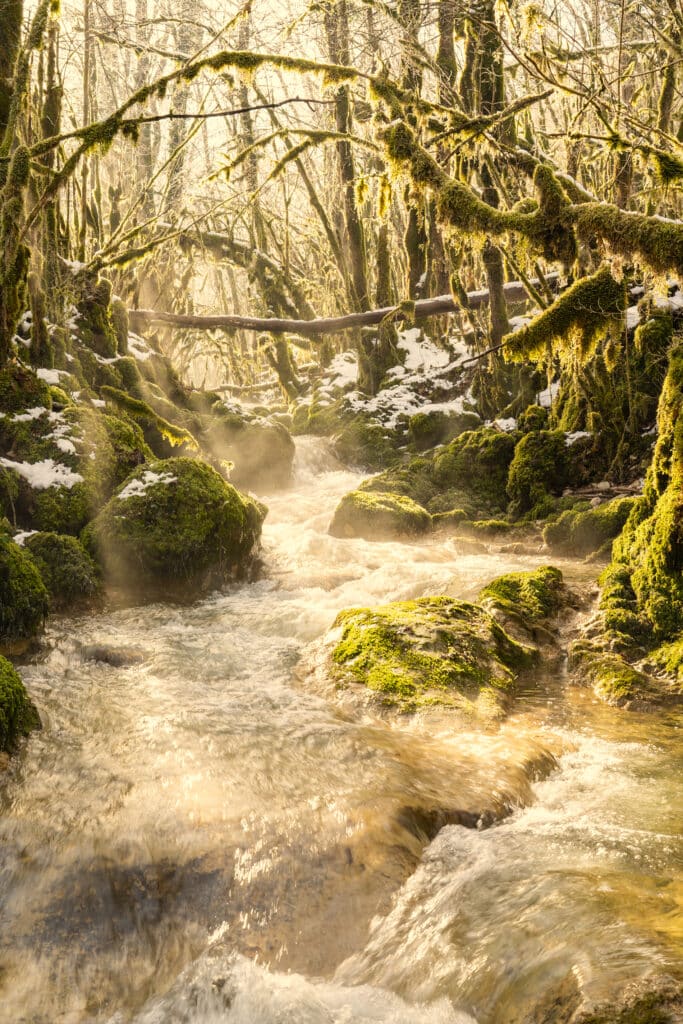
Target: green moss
(95,327)
(534,595)
(477,463)
(612,678)
(428,429)
(584,531)
(364,442)
(20,389)
(433,650)
(534,417)
(576,320)
(18,716)
(658,242)
(179,529)
(68,572)
(142,413)
(119,321)
(537,471)
(23,597)
(129,450)
(62,509)
(379,516)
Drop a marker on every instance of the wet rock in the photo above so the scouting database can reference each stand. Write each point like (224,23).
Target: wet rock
(117,657)
(432,651)
(175,528)
(379,516)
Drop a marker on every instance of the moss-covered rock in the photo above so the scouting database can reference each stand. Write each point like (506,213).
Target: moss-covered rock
(18,715)
(537,471)
(379,516)
(23,597)
(435,426)
(364,442)
(67,570)
(476,465)
(585,531)
(535,595)
(434,650)
(175,527)
(262,452)
(21,389)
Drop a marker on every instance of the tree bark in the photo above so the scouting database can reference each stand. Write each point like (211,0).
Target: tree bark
(514,291)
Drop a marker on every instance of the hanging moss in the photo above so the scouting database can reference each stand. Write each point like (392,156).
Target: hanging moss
(18,715)
(577,320)
(658,242)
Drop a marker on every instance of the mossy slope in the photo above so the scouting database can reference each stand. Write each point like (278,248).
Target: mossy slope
(23,597)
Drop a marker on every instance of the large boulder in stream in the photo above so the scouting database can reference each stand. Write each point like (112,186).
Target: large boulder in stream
(379,516)
(175,528)
(18,716)
(432,651)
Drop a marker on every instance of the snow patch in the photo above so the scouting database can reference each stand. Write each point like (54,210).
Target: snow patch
(51,376)
(139,348)
(574,436)
(136,488)
(508,424)
(19,538)
(547,397)
(44,474)
(30,414)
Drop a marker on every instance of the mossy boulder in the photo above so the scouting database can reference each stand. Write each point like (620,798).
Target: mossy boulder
(537,471)
(379,516)
(67,570)
(436,426)
(23,597)
(175,528)
(18,715)
(476,465)
(534,595)
(365,442)
(586,531)
(413,480)
(432,651)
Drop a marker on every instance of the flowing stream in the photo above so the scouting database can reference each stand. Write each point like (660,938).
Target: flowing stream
(197,835)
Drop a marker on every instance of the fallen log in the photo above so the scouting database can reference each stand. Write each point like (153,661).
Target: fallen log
(423,308)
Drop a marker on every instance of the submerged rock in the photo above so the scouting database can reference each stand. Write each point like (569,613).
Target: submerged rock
(379,516)
(18,715)
(175,528)
(432,651)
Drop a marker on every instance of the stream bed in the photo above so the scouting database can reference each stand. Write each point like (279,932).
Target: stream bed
(197,836)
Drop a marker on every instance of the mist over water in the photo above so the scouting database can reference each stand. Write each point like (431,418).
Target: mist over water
(200,837)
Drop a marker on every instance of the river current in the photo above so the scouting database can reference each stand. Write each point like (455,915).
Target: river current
(197,835)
